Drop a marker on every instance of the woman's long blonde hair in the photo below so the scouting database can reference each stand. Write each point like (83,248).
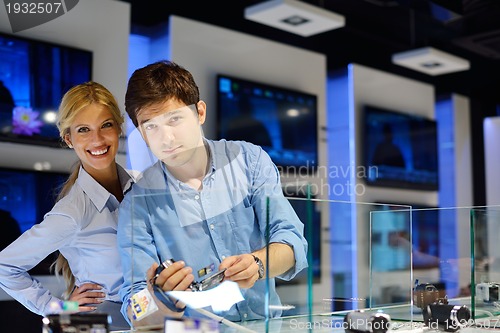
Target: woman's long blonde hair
(76,99)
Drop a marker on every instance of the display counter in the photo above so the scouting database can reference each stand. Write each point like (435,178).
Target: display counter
(372,256)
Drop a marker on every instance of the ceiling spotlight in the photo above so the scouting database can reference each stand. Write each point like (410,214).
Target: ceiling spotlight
(431,61)
(294,16)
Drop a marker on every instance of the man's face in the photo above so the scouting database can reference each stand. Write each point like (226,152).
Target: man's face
(172,130)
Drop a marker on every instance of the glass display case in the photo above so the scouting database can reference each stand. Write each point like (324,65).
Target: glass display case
(419,258)
(485,259)
(379,258)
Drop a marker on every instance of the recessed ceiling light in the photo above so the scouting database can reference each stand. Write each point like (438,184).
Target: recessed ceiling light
(431,61)
(294,16)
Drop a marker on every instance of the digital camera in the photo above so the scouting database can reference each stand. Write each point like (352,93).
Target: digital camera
(76,323)
(359,321)
(425,294)
(205,284)
(487,291)
(446,317)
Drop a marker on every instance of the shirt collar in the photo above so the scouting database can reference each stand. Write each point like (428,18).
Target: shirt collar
(169,178)
(96,192)
(211,154)
(177,183)
(126,180)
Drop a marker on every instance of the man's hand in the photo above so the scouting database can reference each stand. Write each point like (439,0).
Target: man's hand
(174,277)
(241,269)
(87,295)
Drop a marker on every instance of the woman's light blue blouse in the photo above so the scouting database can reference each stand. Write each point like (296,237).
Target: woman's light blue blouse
(82,226)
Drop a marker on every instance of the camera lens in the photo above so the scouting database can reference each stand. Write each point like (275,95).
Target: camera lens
(447,317)
(362,322)
(461,314)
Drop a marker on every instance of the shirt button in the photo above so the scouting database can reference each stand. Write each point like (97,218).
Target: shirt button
(212,227)
(245,315)
(223,257)
(196,197)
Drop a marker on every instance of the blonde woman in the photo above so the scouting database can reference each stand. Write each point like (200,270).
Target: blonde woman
(82,224)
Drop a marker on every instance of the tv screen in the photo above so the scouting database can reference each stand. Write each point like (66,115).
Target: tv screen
(400,150)
(25,197)
(391,236)
(34,76)
(282,121)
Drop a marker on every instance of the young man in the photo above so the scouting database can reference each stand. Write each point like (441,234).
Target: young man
(204,204)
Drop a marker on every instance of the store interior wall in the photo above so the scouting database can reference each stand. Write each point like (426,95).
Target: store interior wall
(207,50)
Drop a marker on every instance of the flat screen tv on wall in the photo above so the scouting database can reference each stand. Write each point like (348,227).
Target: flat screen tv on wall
(25,197)
(34,76)
(400,150)
(282,121)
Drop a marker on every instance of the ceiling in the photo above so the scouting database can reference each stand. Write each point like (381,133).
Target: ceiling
(374,30)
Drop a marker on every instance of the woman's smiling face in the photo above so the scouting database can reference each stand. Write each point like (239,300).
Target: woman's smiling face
(95,136)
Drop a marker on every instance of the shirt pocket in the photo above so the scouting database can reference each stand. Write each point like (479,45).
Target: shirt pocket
(245,229)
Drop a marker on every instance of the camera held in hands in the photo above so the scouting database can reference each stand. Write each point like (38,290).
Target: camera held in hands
(359,321)
(205,284)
